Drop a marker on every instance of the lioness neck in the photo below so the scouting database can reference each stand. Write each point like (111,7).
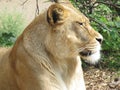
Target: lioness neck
(32,53)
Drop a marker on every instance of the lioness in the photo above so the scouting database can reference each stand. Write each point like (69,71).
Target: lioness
(47,54)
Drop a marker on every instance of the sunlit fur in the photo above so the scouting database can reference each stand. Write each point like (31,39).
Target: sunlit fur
(46,56)
(95,57)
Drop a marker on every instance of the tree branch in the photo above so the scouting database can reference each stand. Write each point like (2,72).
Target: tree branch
(24,2)
(107,3)
(37,8)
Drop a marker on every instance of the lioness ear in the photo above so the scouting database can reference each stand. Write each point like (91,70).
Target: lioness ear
(56,14)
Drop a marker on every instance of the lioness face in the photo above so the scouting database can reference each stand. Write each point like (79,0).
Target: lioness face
(71,34)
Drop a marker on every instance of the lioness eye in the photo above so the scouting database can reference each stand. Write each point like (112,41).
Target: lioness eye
(80,23)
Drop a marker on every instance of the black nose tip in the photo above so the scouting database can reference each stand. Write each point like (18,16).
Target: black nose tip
(99,40)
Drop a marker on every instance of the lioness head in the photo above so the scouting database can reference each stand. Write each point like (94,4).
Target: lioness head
(71,34)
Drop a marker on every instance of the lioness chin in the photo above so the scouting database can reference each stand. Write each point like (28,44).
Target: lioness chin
(47,54)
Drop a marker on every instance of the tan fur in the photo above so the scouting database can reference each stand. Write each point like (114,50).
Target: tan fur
(46,55)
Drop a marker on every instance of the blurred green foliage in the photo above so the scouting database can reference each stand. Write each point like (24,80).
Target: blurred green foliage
(11,25)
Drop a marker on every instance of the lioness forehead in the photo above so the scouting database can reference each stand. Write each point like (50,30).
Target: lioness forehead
(77,13)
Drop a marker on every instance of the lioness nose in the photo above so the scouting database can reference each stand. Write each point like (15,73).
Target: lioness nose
(99,39)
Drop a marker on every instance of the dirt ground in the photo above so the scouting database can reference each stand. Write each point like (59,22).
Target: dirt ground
(95,79)
(104,79)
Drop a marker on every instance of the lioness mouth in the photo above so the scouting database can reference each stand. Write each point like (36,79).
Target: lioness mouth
(86,53)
